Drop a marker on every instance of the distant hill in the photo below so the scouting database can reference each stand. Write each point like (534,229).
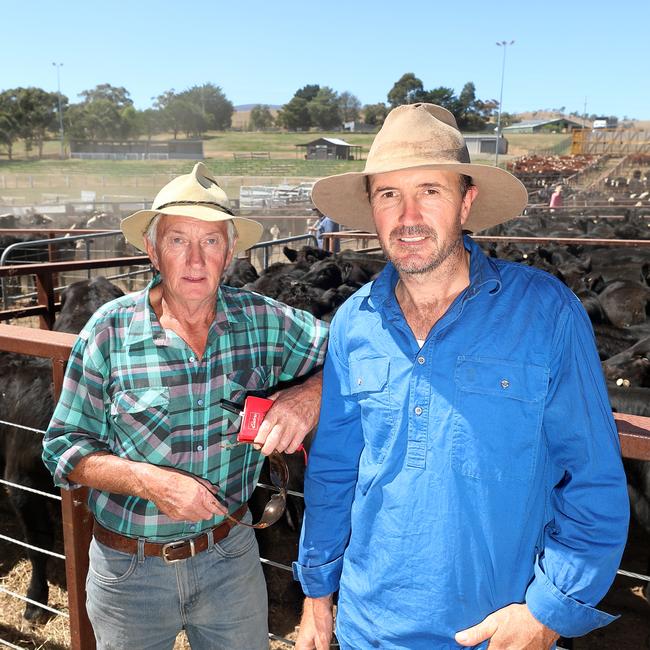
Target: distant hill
(248,107)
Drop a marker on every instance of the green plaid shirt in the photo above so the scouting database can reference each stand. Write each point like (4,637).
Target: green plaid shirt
(137,391)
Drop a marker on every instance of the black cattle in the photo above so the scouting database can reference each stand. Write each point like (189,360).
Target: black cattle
(611,340)
(239,273)
(631,365)
(635,401)
(324,274)
(275,279)
(306,255)
(279,544)
(26,399)
(625,303)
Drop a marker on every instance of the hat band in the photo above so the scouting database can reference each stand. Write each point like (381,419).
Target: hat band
(223,208)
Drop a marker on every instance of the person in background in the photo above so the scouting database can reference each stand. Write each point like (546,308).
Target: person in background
(557,198)
(465,484)
(139,421)
(324,225)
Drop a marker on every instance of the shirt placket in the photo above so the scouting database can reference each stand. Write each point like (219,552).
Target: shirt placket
(199,371)
(419,398)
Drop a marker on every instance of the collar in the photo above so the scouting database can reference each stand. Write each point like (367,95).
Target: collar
(483,276)
(144,325)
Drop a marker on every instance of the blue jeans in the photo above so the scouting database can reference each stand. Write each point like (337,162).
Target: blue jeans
(218,597)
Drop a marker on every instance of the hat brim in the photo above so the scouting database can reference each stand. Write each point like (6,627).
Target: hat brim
(500,197)
(135,225)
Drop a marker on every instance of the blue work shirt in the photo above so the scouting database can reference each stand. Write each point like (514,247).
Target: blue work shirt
(483,469)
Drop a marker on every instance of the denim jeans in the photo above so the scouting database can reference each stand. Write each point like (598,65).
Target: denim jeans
(142,603)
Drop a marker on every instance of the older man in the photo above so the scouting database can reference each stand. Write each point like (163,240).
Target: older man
(465,485)
(140,422)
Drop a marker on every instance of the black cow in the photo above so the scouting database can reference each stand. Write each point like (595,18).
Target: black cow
(239,273)
(625,303)
(26,399)
(631,365)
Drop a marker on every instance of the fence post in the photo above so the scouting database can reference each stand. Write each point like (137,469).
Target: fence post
(77,533)
(45,296)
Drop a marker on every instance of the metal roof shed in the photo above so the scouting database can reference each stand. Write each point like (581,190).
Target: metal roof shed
(331,149)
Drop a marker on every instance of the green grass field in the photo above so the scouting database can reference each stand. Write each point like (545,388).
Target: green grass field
(24,181)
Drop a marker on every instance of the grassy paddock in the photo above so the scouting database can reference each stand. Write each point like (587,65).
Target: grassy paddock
(23,182)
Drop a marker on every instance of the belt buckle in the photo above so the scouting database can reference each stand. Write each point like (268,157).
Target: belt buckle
(173,545)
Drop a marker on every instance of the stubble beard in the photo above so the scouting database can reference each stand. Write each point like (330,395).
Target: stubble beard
(415,266)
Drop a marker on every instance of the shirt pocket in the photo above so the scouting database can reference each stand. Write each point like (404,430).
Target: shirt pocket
(498,410)
(141,423)
(370,386)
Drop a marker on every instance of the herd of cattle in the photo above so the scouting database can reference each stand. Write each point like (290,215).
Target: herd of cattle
(613,284)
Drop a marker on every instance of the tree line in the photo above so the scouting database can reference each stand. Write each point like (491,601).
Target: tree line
(106,112)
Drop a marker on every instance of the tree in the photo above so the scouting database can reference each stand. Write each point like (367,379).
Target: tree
(181,114)
(308,92)
(149,122)
(117,95)
(349,107)
(442,96)
(29,114)
(129,123)
(195,110)
(261,117)
(98,120)
(210,100)
(406,90)
(9,130)
(294,115)
(324,109)
(375,114)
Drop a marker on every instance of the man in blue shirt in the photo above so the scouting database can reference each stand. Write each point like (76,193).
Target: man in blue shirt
(325,225)
(465,485)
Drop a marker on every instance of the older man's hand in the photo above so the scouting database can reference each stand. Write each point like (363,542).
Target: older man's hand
(180,496)
(509,628)
(293,415)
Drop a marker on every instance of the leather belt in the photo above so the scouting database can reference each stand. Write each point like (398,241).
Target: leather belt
(170,551)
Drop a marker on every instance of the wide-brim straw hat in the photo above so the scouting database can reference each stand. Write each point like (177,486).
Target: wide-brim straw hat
(420,136)
(195,195)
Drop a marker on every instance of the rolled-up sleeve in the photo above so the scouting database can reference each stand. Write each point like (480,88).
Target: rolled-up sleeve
(78,426)
(584,539)
(330,478)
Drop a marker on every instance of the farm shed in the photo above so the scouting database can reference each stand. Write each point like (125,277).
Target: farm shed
(331,149)
(138,150)
(555,125)
(478,144)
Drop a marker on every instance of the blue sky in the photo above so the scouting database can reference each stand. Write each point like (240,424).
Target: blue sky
(262,51)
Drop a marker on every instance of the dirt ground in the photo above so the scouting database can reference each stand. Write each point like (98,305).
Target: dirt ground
(630,632)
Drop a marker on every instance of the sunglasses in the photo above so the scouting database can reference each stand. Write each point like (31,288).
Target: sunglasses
(278,470)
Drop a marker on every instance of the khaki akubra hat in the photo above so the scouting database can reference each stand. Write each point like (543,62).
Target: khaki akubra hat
(420,135)
(195,195)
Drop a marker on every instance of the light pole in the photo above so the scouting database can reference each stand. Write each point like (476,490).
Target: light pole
(504,45)
(58,92)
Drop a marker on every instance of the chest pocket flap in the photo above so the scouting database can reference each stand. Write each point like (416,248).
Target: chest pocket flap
(368,374)
(139,399)
(500,378)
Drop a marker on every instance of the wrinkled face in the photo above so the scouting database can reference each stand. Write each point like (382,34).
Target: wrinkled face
(191,256)
(419,215)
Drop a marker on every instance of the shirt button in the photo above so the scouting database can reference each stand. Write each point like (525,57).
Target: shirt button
(418,410)
(192,359)
(199,447)
(505,383)
(200,402)
(420,360)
